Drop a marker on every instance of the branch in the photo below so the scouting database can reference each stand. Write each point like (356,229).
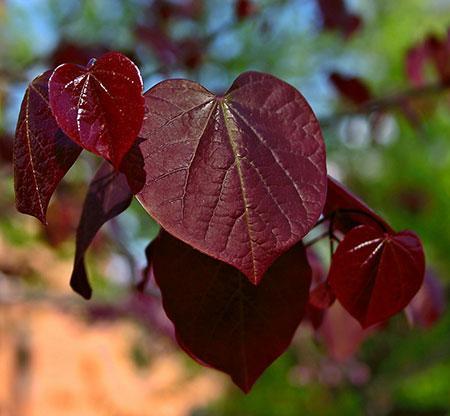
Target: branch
(388,102)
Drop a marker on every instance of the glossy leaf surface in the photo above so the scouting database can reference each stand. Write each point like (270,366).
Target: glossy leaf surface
(349,211)
(108,195)
(374,275)
(240,177)
(221,319)
(100,106)
(42,152)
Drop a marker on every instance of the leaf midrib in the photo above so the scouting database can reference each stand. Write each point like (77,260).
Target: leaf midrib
(233,146)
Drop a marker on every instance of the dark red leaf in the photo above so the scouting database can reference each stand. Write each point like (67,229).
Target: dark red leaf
(42,152)
(244,8)
(108,195)
(432,50)
(336,17)
(375,274)
(6,148)
(241,177)
(416,58)
(353,89)
(341,333)
(313,313)
(63,215)
(429,303)
(100,106)
(349,211)
(73,53)
(165,49)
(220,318)
(322,296)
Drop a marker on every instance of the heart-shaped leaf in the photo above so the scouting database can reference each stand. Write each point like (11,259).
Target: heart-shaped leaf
(374,274)
(42,152)
(221,319)
(241,177)
(100,106)
(108,195)
(429,303)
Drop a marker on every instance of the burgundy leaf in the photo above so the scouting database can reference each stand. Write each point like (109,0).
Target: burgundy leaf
(336,17)
(42,153)
(241,177)
(322,296)
(73,53)
(315,314)
(6,148)
(341,333)
(353,89)
(220,318)
(108,195)
(244,9)
(429,303)
(165,49)
(349,211)
(439,51)
(375,274)
(416,58)
(433,50)
(100,106)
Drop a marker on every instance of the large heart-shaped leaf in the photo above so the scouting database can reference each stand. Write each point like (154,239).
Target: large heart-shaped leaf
(241,177)
(42,152)
(375,274)
(220,318)
(100,106)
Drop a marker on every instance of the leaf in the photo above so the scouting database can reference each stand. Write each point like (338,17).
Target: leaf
(108,195)
(100,106)
(241,177)
(220,318)
(349,211)
(244,9)
(374,274)
(432,50)
(42,152)
(354,89)
(428,305)
(336,17)
(341,333)
(322,297)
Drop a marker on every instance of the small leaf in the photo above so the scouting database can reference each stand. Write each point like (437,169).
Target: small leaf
(322,296)
(374,274)
(341,333)
(220,318)
(241,177)
(428,305)
(336,16)
(42,152)
(354,89)
(100,106)
(108,195)
(349,211)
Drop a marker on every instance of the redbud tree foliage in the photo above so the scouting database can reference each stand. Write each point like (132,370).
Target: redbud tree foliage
(236,181)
